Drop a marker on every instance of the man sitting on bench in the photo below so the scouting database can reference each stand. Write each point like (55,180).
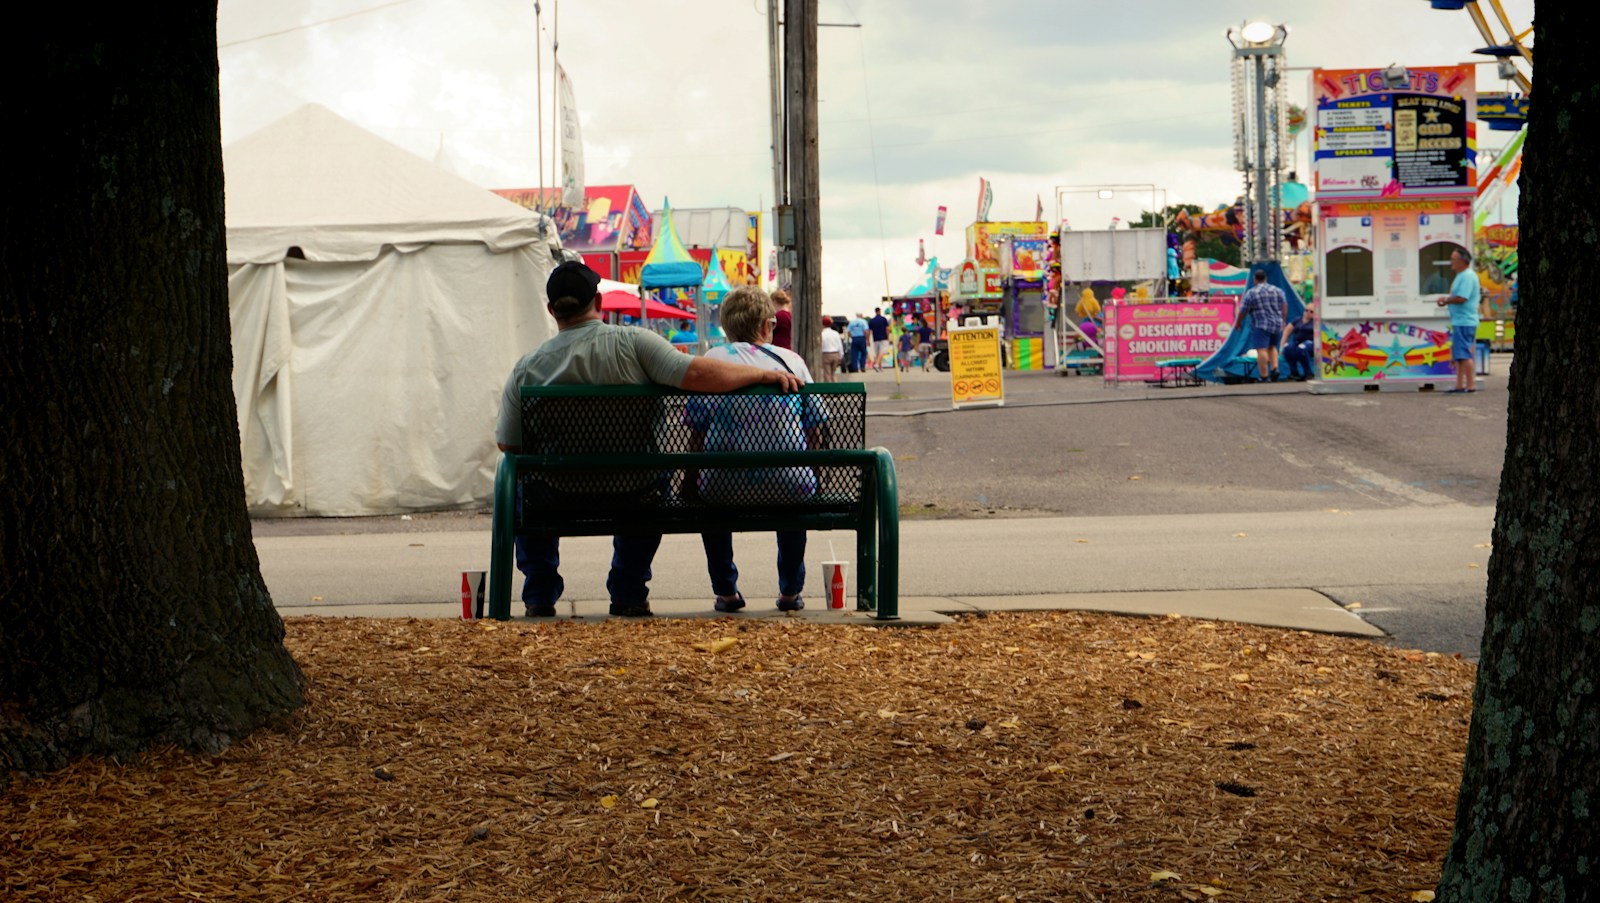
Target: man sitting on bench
(588,351)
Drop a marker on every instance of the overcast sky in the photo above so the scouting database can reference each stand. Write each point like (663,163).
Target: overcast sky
(917,103)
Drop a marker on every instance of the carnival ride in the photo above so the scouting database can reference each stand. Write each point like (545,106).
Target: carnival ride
(1503,111)
(1228,223)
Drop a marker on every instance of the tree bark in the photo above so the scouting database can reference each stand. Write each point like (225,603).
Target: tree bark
(1528,817)
(132,609)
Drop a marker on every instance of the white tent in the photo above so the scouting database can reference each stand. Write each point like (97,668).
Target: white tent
(378,303)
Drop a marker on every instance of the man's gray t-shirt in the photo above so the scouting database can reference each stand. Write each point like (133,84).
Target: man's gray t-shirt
(593,354)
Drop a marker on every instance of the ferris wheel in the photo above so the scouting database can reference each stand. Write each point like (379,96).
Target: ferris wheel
(1510,47)
(1505,111)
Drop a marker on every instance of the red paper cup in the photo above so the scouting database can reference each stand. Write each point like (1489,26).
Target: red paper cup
(834,572)
(472,594)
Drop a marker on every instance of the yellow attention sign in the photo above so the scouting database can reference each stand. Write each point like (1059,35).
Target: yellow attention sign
(975,367)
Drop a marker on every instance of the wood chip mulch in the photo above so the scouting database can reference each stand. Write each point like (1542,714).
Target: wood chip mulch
(1014,757)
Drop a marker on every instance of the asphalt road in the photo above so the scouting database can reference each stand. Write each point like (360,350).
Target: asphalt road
(1087,450)
(1382,501)
(1071,446)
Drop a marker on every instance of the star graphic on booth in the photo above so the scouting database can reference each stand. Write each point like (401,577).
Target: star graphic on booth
(1396,352)
(1366,328)
(1431,116)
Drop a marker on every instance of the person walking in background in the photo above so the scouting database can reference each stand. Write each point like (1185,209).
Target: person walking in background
(1267,308)
(879,324)
(776,424)
(857,330)
(832,351)
(783,333)
(908,343)
(587,351)
(1462,301)
(924,343)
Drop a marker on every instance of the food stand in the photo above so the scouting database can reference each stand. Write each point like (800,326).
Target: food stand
(1018,253)
(1395,154)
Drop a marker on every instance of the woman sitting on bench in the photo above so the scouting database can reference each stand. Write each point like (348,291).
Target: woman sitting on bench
(746,423)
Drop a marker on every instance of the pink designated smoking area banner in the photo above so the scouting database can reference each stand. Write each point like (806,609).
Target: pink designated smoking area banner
(1137,336)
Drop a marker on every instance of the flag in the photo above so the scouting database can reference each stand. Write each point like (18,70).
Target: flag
(1038,209)
(571,144)
(922,253)
(938,224)
(985,198)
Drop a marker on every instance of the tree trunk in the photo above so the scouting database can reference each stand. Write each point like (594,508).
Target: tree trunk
(132,610)
(1528,818)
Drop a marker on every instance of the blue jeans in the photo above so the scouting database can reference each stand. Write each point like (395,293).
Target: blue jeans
(539,559)
(725,574)
(858,353)
(1298,356)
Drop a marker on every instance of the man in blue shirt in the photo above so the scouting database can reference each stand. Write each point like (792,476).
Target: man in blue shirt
(857,328)
(1463,304)
(1267,308)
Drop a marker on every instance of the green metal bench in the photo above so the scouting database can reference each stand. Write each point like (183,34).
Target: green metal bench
(598,460)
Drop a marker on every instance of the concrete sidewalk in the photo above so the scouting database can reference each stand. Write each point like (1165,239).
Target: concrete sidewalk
(1278,569)
(1293,609)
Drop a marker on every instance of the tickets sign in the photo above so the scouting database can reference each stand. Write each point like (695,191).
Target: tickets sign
(1405,133)
(975,375)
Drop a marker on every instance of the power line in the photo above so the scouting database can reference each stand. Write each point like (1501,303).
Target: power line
(274,34)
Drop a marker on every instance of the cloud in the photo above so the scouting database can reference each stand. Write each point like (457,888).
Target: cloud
(919,102)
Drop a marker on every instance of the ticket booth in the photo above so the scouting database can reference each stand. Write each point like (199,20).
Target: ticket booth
(1395,177)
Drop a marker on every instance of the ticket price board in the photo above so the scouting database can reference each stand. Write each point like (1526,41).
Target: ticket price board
(975,375)
(1374,139)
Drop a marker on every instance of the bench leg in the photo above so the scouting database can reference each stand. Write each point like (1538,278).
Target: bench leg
(888,538)
(866,548)
(501,540)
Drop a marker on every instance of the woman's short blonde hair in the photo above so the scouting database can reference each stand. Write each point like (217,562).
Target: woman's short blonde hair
(744,310)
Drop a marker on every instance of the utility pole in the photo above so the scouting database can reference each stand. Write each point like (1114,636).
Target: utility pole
(780,179)
(805,180)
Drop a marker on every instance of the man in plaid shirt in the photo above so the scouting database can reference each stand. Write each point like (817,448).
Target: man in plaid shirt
(1267,308)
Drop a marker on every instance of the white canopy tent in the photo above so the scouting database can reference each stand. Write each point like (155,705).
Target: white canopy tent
(378,303)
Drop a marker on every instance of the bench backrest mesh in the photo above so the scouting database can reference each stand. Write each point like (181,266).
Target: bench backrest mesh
(592,420)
